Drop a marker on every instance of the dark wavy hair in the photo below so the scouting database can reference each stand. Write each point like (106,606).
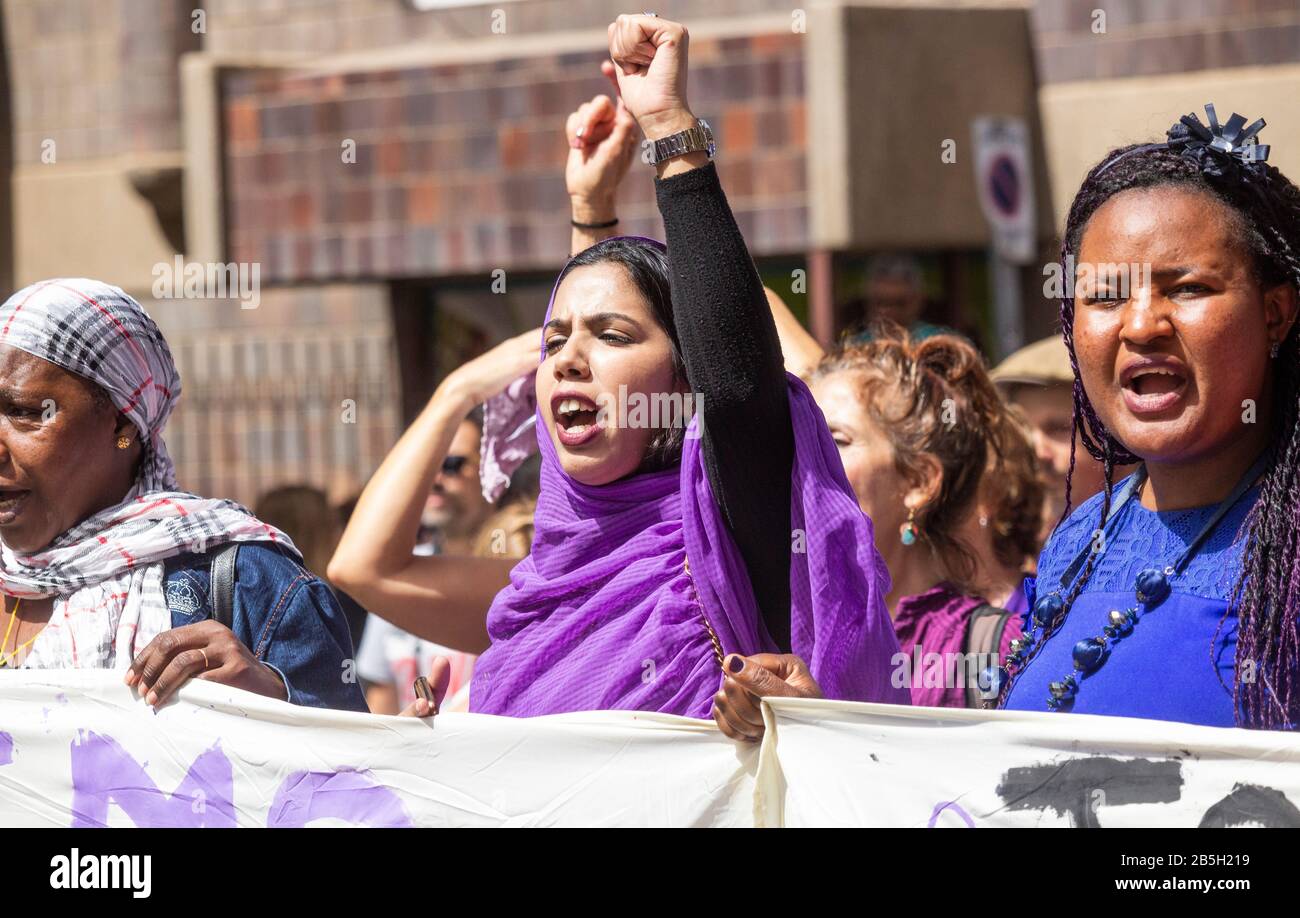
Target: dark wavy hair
(1265,205)
(646,263)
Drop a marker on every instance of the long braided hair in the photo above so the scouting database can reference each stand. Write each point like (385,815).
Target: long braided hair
(1266,597)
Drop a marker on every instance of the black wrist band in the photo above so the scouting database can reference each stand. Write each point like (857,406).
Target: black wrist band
(594,226)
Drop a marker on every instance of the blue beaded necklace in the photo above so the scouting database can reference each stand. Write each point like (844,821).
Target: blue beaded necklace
(1151,587)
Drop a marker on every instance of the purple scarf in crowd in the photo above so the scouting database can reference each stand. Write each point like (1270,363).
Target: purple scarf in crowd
(603,614)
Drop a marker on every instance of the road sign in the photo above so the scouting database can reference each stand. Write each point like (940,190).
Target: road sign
(1005,181)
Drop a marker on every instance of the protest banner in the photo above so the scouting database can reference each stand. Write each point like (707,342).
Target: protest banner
(77,748)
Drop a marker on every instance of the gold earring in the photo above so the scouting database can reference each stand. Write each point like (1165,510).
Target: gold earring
(123,442)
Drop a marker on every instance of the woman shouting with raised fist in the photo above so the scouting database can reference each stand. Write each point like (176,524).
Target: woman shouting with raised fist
(683,562)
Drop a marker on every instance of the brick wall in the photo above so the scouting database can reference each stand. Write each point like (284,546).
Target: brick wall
(301,389)
(459,169)
(1146,37)
(99,78)
(329,26)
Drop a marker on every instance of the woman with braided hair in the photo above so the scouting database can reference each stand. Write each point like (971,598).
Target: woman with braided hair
(1173,595)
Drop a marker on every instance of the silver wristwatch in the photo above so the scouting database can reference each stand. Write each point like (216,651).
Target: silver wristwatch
(691,140)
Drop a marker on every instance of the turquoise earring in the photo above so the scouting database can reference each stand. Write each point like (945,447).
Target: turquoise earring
(907,532)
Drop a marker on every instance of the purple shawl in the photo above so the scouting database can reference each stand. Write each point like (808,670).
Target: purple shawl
(603,614)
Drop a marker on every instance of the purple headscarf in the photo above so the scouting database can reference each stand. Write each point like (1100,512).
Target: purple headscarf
(603,614)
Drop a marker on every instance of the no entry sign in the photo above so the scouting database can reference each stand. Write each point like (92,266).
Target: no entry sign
(1004,180)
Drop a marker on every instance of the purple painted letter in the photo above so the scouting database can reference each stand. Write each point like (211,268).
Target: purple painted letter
(352,796)
(102,771)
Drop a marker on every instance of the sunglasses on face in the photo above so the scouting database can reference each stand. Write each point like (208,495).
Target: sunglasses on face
(453,464)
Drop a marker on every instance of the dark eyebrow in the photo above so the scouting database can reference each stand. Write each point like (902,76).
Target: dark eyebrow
(595,318)
(1174,271)
(601,318)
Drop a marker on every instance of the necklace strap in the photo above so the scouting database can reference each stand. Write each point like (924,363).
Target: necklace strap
(1247,482)
(1130,487)
(1135,483)
(7,659)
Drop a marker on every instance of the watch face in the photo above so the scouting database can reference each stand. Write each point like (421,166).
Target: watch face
(708,136)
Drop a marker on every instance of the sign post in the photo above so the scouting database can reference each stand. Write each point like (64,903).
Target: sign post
(1004,180)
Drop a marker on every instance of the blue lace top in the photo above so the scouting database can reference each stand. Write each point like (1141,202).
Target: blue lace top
(1142,538)
(1178,662)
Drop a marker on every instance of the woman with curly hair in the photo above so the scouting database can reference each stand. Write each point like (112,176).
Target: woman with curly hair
(950,480)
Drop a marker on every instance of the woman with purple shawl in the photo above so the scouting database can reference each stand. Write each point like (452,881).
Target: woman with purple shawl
(697,544)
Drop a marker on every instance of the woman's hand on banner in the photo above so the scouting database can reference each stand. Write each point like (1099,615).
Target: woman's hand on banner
(204,650)
(430,695)
(737,708)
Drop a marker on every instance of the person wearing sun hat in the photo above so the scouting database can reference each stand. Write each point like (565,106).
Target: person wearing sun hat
(1038,380)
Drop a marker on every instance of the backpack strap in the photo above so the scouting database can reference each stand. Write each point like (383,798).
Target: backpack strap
(222,589)
(984,630)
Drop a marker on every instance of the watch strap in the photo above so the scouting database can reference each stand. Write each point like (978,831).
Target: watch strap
(695,139)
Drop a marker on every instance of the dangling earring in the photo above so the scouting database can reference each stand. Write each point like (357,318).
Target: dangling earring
(1273,349)
(907,532)
(123,442)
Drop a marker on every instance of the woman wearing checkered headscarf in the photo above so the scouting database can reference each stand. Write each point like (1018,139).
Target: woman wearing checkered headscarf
(89,506)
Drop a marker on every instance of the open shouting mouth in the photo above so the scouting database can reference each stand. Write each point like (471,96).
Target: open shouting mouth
(11,503)
(575,418)
(1152,385)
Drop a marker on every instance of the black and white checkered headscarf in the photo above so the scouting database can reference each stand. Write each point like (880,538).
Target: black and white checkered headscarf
(106,572)
(102,334)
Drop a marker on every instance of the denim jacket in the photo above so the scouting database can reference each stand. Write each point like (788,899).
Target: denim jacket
(286,616)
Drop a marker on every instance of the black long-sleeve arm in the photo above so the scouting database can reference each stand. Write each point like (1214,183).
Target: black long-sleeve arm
(733,360)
